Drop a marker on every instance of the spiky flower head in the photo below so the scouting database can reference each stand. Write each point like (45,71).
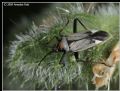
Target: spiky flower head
(28,49)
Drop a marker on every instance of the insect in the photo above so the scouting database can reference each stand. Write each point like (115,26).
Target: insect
(78,41)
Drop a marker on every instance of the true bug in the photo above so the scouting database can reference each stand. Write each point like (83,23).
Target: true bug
(78,41)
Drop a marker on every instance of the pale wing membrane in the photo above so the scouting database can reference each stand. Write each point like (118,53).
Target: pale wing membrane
(87,47)
(78,36)
(81,45)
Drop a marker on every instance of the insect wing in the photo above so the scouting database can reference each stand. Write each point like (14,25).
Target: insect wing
(78,36)
(81,45)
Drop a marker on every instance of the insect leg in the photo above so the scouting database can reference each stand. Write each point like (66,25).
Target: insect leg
(45,57)
(55,37)
(63,59)
(75,26)
(76,55)
(75,31)
(76,19)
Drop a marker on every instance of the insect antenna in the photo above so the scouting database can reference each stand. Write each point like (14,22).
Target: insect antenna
(42,60)
(64,26)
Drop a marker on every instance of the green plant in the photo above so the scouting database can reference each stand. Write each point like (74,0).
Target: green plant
(29,48)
